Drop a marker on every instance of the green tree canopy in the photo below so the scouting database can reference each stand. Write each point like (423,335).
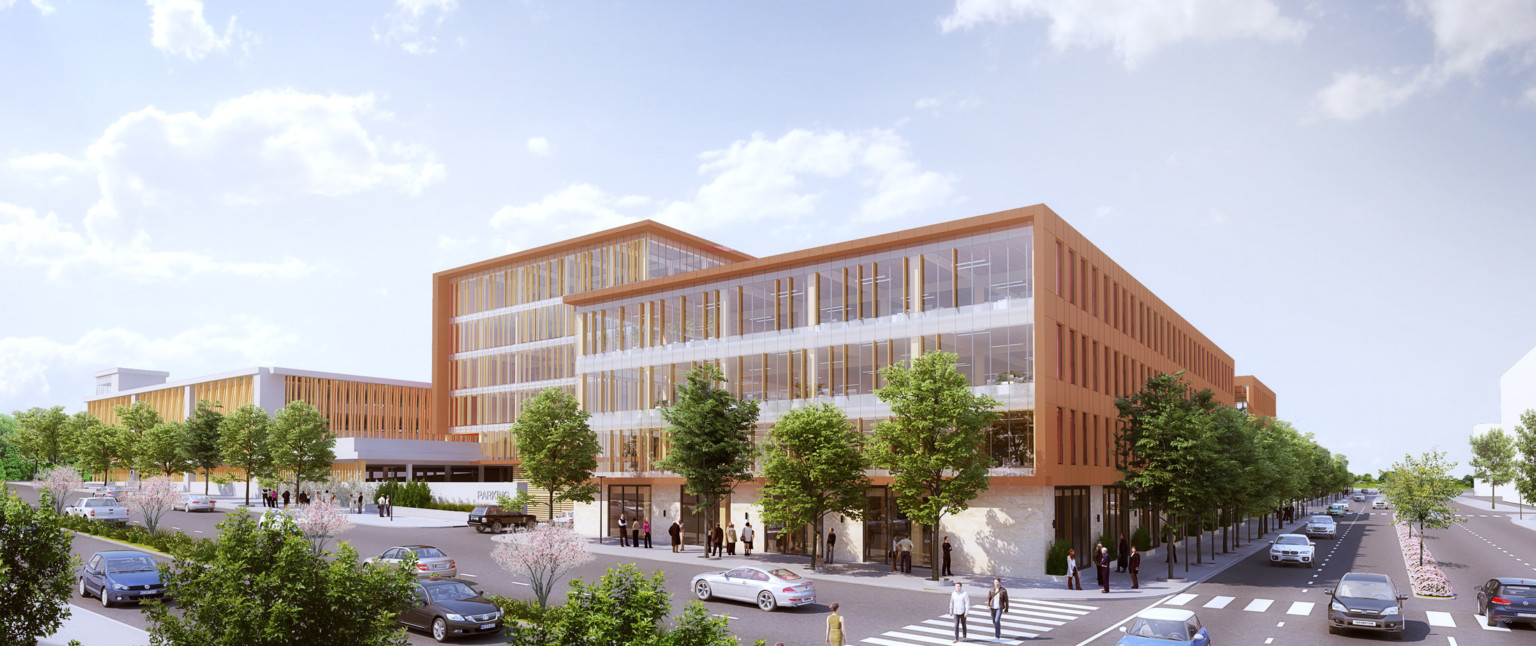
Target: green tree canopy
(813,464)
(159,449)
(1525,465)
(14,464)
(711,433)
(104,447)
(201,446)
(36,570)
(138,417)
(44,434)
(624,607)
(301,444)
(245,442)
(932,442)
(1493,460)
(557,447)
(1422,488)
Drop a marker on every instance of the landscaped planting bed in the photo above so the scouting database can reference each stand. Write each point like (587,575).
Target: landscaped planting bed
(1427,579)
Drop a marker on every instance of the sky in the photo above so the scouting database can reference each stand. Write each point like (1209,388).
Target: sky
(1336,194)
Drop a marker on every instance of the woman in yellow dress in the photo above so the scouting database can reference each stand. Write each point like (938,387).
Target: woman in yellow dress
(835,628)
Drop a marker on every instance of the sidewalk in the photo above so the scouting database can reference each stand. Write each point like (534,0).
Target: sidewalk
(1153,571)
(369,518)
(93,629)
(1509,509)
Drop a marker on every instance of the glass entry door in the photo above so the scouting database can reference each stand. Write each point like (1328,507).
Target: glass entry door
(884,523)
(696,523)
(1072,523)
(633,502)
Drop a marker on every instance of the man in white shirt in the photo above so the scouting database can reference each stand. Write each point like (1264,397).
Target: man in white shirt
(959,603)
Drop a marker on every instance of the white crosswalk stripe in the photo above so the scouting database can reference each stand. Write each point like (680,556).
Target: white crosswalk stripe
(1218,602)
(1258,605)
(1179,600)
(1025,619)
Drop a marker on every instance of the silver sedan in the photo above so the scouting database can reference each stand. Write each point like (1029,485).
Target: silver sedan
(430,561)
(769,588)
(193,502)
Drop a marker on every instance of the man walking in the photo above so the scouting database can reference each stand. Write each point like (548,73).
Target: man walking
(905,545)
(1122,552)
(959,603)
(1104,568)
(623,531)
(717,540)
(285,499)
(831,543)
(730,539)
(946,548)
(377,503)
(634,533)
(747,534)
(997,602)
(676,532)
(1134,567)
(896,553)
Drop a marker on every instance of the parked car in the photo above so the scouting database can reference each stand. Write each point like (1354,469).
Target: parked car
(1164,627)
(1338,508)
(495,519)
(566,519)
(768,588)
(1365,601)
(1322,526)
(106,490)
(1292,548)
(120,576)
(430,561)
(449,608)
(102,508)
(193,502)
(1507,599)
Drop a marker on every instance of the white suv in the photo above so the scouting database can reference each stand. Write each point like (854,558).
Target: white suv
(1381,503)
(1291,548)
(1321,526)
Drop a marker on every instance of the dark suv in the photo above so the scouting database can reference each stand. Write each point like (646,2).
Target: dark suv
(495,519)
(1366,602)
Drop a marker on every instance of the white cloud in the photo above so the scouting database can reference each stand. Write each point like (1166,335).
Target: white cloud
(1469,37)
(30,240)
(177,27)
(42,6)
(540,146)
(1133,28)
(49,168)
(28,364)
(261,148)
(572,211)
(409,25)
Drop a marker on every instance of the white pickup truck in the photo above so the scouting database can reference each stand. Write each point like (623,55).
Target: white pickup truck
(103,508)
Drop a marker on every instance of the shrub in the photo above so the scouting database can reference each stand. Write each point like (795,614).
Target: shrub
(415,493)
(528,610)
(1142,539)
(1111,542)
(1056,558)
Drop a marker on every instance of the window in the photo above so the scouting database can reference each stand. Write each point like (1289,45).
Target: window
(1061,354)
(1072,361)
(1072,284)
(1058,267)
(1072,435)
(1059,438)
(1095,291)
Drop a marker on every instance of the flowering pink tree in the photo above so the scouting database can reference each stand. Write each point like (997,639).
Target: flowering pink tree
(322,521)
(58,482)
(543,554)
(152,498)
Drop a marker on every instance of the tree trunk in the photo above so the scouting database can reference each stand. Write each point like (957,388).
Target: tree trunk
(933,547)
(247,488)
(1170,547)
(206,475)
(1493,495)
(1199,534)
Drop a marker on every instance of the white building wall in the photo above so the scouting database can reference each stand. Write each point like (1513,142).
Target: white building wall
(1517,394)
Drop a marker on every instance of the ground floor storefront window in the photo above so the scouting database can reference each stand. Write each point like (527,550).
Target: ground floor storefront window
(633,504)
(884,524)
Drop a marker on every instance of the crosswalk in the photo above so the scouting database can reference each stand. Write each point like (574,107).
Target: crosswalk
(1436,618)
(1025,619)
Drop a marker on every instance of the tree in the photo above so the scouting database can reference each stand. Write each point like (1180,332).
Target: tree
(261,584)
(813,464)
(1525,467)
(137,417)
(1422,489)
(14,464)
(320,522)
(58,482)
(43,434)
(244,442)
(557,446)
(152,499)
(932,443)
(201,446)
(1160,441)
(1493,460)
(36,570)
(104,447)
(625,607)
(160,449)
(711,433)
(544,555)
(302,443)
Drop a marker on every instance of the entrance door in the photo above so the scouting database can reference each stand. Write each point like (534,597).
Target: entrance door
(696,523)
(1072,524)
(633,502)
(884,523)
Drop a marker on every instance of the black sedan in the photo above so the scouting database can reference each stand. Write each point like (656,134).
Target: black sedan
(448,608)
(1366,602)
(120,576)
(1507,599)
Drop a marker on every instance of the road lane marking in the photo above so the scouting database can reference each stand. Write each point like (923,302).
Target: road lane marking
(1180,600)
(1115,625)
(917,638)
(951,632)
(1300,608)
(468,575)
(1059,604)
(1259,605)
(1484,624)
(1438,618)
(1020,614)
(1218,602)
(1453,640)
(1270,640)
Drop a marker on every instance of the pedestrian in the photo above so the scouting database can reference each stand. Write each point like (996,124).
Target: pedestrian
(333,499)
(730,539)
(1104,568)
(647,529)
(360,502)
(747,534)
(377,503)
(896,553)
(1072,577)
(1122,552)
(634,533)
(959,603)
(997,603)
(623,531)
(717,540)
(389,507)
(906,554)
(831,543)
(285,499)
(676,534)
(835,628)
(1098,574)
(1134,567)
(946,547)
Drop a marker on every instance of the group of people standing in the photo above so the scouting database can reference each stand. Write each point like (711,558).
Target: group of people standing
(269,497)
(1128,560)
(720,540)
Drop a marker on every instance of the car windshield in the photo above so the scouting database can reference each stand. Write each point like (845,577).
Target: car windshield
(131,564)
(786,575)
(451,592)
(1292,540)
(428,553)
(1321,520)
(1376,590)
(1159,629)
(479,510)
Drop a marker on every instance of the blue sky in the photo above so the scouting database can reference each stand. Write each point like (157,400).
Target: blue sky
(1337,194)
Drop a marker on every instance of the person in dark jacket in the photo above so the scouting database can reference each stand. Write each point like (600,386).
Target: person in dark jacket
(676,532)
(1134,567)
(717,540)
(285,498)
(1104,568)
(1122,552)
(1093,557)
(831,543)
(946,547)
(623,531)
(997,604)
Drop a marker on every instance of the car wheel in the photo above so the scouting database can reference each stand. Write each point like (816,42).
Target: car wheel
(1480,611)
(480,528)
(495,527)
(1332,629)
(439,630)
(701,590)
(106,602)
(83,591)
(766,602)
(1491,621)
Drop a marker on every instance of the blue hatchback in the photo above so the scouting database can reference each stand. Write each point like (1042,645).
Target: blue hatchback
(1165,627)
(119,577)
(1507,599)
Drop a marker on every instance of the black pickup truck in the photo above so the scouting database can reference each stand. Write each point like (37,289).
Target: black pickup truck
(494,519)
